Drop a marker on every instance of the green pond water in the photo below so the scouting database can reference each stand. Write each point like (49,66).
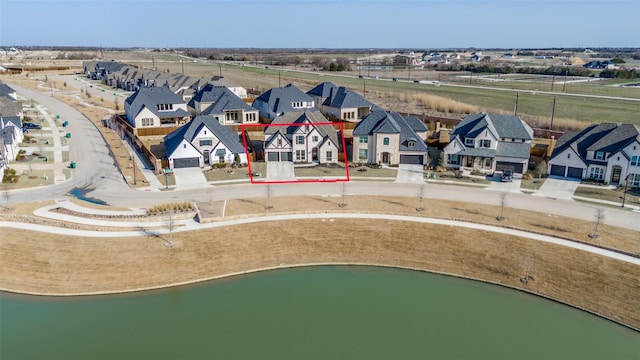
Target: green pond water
(312,313)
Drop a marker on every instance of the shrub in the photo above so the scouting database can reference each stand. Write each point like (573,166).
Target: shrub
(220,165)
(10,176)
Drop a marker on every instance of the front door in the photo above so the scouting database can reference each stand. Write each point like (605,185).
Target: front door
(314,154)
(385,157)
(205,155)
(615,174)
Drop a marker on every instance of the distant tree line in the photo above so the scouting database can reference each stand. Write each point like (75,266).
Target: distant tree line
(620,74)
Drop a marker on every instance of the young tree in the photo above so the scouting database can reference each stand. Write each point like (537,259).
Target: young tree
(170,223)
(503,203)
(344,194)
(6,195)
(267,204)
(599,216)
(420,198)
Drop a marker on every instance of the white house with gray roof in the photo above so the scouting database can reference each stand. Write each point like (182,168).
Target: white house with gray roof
(390,138)
(223,105)
(340,102)
(10,137)
(490,142)
(607,152)
(155,107)
(202,142)
(278,101)
(299,137)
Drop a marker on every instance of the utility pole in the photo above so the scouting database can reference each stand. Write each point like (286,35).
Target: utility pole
(564,84)
(364,88)
(624,193)
(515,108)
(553,79)
(220,65)
(553,110)
(182,63)
(153,62)
(278,78)
(409,78)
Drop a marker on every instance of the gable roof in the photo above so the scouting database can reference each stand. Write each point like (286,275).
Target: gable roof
(605,137)
(279,99)
(10,121)
(221,98)
(393,123)
(9,107)
(503,126)
(346,98)
(299,117)
(189,131)
(324,90)
(5,90)
(151,97)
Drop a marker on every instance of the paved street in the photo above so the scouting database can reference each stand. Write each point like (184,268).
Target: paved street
(96,170)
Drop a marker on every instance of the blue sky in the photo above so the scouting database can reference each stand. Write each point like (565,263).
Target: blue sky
(321,23)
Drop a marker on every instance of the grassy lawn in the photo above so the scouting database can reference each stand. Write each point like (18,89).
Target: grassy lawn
(169,180)
(227,174)
(321,171)
(373,173)
(533,184)
(30,179)
(451,177)
(614,195)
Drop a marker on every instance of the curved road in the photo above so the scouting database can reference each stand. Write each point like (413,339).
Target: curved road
(97,171)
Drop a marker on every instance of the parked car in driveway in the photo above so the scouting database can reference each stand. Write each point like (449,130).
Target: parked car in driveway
(29,125)
(507,176)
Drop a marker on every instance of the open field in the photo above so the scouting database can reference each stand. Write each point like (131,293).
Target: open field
(532,107)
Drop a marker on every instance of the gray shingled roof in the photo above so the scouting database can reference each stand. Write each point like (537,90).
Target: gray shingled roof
(323,90)
(504,126)
(188,131)
(298,117)
(5,89)
(279,99)
(7,135)
(15,120)
(391,123)
(150,97)
(605,137)
(221,98)
(513,149)
(346,98)
(9,107)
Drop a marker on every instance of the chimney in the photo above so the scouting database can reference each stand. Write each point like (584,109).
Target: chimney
(552,144)
(437,126)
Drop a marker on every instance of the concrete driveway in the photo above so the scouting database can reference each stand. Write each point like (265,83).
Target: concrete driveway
(189,178)
(511,186)
(280,170)
(410,174)
(558,188)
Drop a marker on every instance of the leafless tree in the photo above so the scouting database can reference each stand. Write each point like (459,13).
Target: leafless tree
(420,198)
(503,203)
(6,195)
(599,216)
(170,224)
(344,194)
(267,204)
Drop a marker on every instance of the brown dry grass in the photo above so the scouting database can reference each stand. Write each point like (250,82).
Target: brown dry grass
(65,264)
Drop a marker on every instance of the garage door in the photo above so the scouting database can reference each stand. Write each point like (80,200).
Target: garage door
(286,156)
(574,173)
(558,170)
(186,162)
(515,167)
(411,159)
(272,156)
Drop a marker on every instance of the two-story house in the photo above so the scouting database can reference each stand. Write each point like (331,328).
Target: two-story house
(340,102)
(606,152)
(390,138)
(301,137)
(277,101)
(10,137)
(490,142)
(155,107)
(201,142)
(222,104)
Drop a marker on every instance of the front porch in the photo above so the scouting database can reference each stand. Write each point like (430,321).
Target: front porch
(469,163)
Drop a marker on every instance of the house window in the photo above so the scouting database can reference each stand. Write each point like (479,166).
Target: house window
(205,132)
(635,160)
(315,138)
(385,141)
(596,173)
(487,162)
(329,156)
(279,142)
(568,156)
(206,142)
(163,107)
(599,155)
(300,155)
(486,143)
(468,142)
(411,143)
(147,122)
(363,154)
(363,139)
(634,180)
(299,140)
(453,159)
(184,146)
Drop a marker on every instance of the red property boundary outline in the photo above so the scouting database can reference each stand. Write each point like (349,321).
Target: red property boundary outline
(243,128)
